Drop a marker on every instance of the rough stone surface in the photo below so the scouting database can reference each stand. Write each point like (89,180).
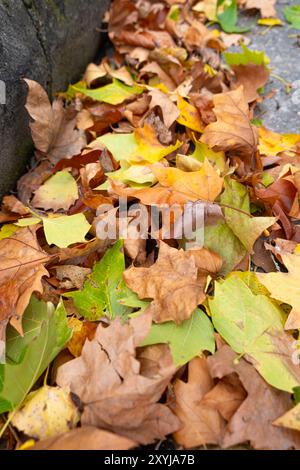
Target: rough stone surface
(50,41)
(281,113)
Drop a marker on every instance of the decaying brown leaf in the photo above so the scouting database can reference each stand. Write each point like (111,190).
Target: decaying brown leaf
(117,397)
(176,282)
(233,130)
(53,133)
(22,268)
(253,419)
(86,438)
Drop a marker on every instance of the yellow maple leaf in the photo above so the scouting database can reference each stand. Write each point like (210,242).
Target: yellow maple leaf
(204,184)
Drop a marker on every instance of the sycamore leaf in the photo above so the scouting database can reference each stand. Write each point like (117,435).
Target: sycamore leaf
(252,77)
(208,7)
(126,402)
(232,252)
(133,175)
(251,422)
(292,15)
(187,340)
(142,146)
(228,18)
(246,228)
(201,423)
(233,130)
(59,192)
(7,231)
(189,115)
(45,413)
(66,230)
(290,420)
(204,184)
(86,438)
(53,133)
(114,93)
(104,287)
(266,7)
(272,143)
(82,330)
(253,326)
(52,333)
(176,282)
(203,151)
(285,287)
(22,269)
(247,56)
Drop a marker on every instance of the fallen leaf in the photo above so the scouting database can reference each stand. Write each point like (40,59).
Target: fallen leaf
(176,282)
(252,422)
(142,146)
(22,268)
(266,7)
(63,231)
(285,287)
(114,93)
(53,133)
(46,412)
(252,77)
(59,192)
(82,330)
(126,402)
(71,277)
(103,289)
(86,438)
(169,110)
(253,326)
(233,130)
(244,226)
(204,184)
(201,423)
(34,351)
(187,340)
(189,115)
(290,419)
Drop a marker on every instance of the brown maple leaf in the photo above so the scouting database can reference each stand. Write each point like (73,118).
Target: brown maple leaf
(202,424)
(233,130)
(53,132)
(86,438)
(117,393)
(253,419)
(252,77)
(21,272)
(176,282)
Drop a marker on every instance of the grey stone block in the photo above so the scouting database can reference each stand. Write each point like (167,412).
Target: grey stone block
(50,41)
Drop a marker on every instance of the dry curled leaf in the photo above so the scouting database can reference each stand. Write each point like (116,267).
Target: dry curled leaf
(53,133)
(115,393)
(233,130)
(22,269)
(176,282)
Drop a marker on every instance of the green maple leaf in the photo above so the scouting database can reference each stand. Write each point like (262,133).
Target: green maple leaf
(187,340)
(104,288)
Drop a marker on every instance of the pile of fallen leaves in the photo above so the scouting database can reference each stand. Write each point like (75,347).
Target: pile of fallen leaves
(113,344)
